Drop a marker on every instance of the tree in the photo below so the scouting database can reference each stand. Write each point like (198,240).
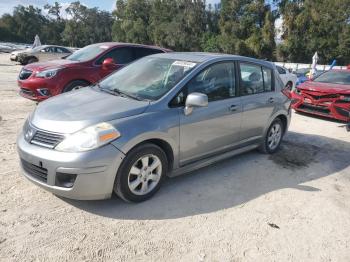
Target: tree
(247,28)
(86,25)
(310,26)
(131,21)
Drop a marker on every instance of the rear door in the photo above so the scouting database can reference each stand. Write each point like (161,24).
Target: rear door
(258,99)
(283,74)
(215,128)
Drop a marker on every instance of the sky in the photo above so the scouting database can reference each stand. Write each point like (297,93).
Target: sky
(6,6)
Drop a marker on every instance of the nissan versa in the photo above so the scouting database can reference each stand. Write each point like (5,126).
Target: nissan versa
(163,115)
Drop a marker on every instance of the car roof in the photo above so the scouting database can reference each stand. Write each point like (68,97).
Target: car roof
(201,57)
(114,44)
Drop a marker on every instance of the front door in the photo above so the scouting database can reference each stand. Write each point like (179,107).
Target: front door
(121,57)
(215,128)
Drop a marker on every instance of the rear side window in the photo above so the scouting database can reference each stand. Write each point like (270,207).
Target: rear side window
(62,50)
(121,56)
(252,81)
(255,79)
(267,73)
(141,52)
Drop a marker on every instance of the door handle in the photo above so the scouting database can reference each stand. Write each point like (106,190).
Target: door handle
(233,108)
(271,100)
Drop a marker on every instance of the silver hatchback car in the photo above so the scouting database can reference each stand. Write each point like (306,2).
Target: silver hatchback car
(163,115)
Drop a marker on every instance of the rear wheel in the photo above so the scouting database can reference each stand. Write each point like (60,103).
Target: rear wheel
(141,173)
(75,85)
(273,138)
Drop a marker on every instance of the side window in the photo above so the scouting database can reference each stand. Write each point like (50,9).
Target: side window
(216,81)
(141,52)
(281,70)
(121,56)
(267,79)
(252,81)
(61,50)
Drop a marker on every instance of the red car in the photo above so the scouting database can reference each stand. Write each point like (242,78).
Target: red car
(327,95)
(86,66)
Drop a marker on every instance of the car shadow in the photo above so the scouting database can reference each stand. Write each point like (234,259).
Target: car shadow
(235,181)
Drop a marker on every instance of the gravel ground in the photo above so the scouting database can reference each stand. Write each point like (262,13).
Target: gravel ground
(291,206)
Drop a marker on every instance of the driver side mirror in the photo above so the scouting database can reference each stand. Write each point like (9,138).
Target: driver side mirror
(195,100)
(108,64)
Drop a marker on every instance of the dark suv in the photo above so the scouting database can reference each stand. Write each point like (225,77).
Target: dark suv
(86,66)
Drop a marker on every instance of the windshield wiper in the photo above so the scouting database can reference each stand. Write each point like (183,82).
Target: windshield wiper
(124,94)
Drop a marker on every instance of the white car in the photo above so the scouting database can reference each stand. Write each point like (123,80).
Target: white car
(289,79)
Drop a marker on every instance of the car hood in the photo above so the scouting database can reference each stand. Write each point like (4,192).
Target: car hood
(21,51)
(50,65)
(73,111)
(325,88)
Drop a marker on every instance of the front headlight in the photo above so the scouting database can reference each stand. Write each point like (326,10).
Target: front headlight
(48,73)
(89,138)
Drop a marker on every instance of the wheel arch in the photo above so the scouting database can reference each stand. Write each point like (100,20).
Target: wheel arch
(73,80)
(164,145)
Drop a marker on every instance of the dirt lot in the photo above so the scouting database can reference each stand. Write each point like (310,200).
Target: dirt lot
(292,206)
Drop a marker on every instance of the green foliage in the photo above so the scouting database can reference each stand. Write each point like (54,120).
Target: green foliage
(244,27)
(310,26)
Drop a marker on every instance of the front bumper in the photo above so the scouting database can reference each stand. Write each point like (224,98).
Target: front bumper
(29,88)
(95,170)
(329,108)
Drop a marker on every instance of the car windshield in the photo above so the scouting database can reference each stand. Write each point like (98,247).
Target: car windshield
(335,77)
(148,78)
(38,48)
(87,53)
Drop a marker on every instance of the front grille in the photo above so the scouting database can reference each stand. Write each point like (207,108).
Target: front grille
(46,139)
(319,95)
(35,171)
(24,74)
(312,108)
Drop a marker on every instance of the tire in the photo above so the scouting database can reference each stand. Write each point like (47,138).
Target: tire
(31,60)
(272,140)
(75,85)
(133,178)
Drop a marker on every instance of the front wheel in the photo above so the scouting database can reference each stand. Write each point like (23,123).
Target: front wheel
(273,138)
(75,85)
(141,173)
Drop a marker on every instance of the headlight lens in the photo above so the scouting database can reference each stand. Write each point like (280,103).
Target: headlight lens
(48,73)
(89,138)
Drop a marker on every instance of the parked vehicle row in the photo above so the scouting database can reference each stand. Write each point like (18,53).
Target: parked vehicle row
(162,115)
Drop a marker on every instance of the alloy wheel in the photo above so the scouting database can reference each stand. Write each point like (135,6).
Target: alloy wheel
(274,136)
(145,174)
